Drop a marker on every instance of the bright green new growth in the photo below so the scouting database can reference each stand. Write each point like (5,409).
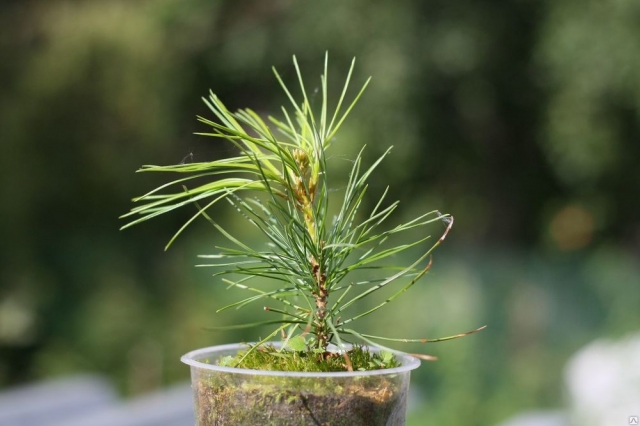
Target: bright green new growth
(308,254)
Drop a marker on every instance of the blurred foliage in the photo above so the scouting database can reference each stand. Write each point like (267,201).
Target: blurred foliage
(521,118)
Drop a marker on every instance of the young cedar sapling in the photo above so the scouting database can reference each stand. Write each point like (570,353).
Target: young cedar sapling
(278,181)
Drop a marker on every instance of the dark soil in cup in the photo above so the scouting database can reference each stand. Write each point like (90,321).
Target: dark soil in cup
(232,405)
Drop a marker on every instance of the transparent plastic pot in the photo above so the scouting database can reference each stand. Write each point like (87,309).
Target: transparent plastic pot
(236,396)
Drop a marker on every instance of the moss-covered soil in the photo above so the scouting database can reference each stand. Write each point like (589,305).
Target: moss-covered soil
(241,399)
(269,358)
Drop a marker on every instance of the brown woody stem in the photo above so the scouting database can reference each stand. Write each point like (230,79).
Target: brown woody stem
(304,192)
(320,325)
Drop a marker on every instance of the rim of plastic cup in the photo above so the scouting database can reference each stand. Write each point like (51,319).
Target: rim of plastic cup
(192,358)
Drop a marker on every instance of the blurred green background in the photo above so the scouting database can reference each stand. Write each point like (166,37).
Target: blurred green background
(519,117)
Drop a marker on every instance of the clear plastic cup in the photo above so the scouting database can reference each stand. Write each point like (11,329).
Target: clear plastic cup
(237,396)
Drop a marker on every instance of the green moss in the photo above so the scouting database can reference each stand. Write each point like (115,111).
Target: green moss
(267,357)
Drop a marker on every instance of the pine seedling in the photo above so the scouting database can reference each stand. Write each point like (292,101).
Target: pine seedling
(278,183)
